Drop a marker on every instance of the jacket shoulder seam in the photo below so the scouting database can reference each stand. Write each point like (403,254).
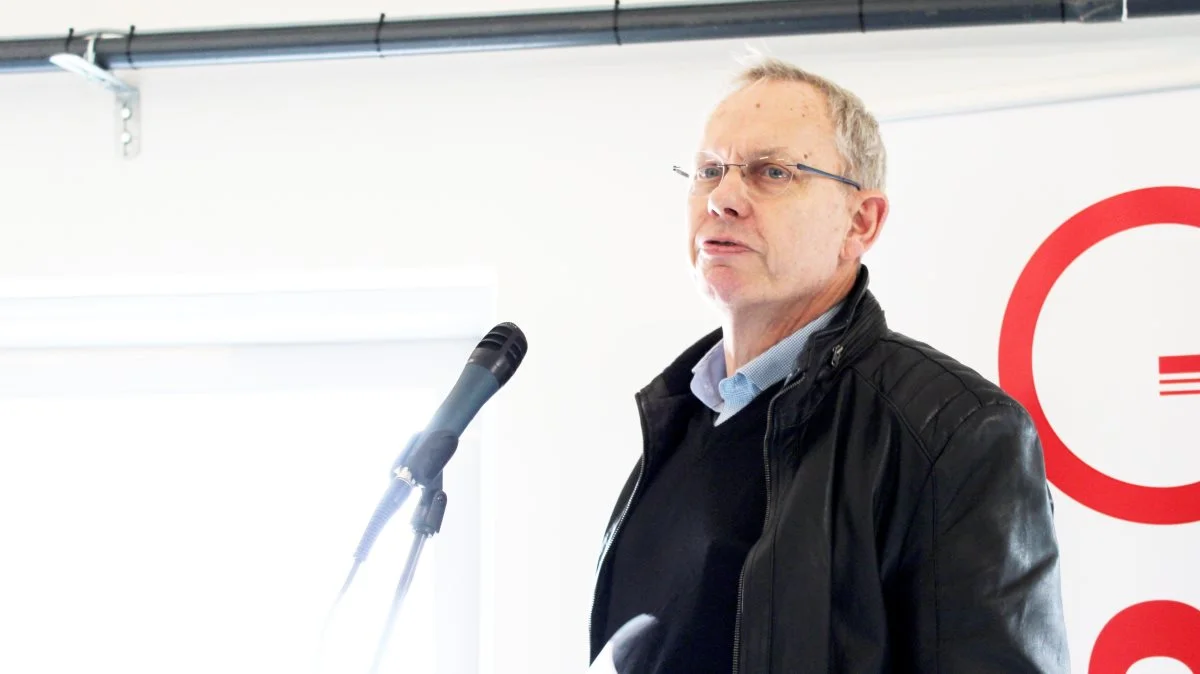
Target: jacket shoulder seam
(965,388)
(891,339)
(891,405)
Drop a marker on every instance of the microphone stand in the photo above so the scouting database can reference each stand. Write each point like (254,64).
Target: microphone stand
(426,521)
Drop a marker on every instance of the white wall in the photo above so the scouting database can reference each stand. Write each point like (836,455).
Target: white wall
(552,170)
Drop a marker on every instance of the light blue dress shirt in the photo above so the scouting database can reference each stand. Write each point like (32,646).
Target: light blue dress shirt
(727,395)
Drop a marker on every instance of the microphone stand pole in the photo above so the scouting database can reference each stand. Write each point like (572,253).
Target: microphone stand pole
(426,521)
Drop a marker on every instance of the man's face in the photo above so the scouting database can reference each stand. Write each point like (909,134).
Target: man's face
(750,248)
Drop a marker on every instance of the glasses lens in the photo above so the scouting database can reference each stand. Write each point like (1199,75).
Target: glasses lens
(706,174)
(768,176)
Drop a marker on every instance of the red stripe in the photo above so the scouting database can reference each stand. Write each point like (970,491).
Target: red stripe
(1178,364)
(1179,381)
(1194,392)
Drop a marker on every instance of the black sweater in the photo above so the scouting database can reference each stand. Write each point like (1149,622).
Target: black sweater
(679,555)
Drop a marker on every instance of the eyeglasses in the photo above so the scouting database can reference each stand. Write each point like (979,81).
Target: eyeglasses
(766,175)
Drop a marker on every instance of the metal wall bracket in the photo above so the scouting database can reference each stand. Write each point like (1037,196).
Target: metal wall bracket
(129,123)
(128,98)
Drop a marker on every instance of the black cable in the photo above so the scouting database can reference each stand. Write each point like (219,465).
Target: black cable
(616,27)
(378,31)
(129,47)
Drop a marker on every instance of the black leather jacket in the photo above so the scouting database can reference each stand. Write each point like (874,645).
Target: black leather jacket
(909,525)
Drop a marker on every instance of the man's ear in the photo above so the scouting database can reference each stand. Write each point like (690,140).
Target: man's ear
(866,224)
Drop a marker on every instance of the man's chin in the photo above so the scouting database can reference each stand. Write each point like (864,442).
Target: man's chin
(723,282)
(727,297)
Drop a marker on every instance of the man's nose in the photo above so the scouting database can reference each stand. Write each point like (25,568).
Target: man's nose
(729,199)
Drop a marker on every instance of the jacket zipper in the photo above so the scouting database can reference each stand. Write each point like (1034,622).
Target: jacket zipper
(621,518)
(737,626)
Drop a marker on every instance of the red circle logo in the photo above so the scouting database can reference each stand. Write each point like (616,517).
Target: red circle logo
(1155,629)
(1082,482)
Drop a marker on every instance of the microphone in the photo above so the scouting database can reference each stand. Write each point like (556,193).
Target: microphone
(420,464)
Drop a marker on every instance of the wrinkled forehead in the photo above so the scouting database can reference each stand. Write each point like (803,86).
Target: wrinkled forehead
(788,119)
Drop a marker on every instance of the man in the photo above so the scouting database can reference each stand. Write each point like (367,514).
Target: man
(817,493)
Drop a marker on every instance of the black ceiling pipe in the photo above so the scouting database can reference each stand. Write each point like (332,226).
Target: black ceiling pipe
(612,26)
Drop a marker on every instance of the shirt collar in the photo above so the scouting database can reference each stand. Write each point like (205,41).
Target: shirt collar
(770,367)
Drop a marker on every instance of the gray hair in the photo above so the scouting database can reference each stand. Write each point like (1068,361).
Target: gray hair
(856,131)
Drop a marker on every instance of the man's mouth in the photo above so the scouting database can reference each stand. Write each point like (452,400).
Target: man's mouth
(723,247)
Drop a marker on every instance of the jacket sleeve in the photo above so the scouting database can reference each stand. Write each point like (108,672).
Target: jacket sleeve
(994,558)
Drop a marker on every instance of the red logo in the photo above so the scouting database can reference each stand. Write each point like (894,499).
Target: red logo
(1155,629)
(1082,482)
(1179,375)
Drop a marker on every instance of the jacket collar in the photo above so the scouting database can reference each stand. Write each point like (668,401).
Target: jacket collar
(858,325)
(855,329)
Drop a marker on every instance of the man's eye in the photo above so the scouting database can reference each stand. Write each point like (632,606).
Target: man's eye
(774,172)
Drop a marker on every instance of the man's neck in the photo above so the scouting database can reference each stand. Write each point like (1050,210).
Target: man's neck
(750,333)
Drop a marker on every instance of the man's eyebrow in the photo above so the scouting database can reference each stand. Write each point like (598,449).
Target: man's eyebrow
(758,153)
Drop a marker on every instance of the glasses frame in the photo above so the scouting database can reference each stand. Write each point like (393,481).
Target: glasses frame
(805,168)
